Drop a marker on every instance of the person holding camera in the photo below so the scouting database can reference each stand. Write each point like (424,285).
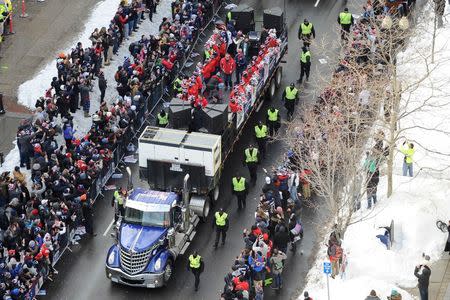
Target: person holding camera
(423,273)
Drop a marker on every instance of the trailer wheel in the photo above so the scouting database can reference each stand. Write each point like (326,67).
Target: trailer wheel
(272,89)
(278,77)
(168,270)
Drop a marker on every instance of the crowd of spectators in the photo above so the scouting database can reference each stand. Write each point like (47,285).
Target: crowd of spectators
(38,206)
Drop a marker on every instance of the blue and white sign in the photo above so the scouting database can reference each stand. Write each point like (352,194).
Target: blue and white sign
(327,267)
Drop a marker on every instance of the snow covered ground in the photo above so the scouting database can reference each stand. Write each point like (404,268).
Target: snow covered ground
(417,203)
(35,88)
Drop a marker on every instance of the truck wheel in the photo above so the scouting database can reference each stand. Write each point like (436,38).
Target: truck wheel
(168,270)
(206,209)
(278,77)
(214,194)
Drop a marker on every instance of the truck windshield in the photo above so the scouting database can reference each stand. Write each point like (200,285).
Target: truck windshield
(146,218)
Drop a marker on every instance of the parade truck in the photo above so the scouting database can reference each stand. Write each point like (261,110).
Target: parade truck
(182,171)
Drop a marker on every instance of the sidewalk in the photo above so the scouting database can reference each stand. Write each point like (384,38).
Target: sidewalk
(49,27)
(439,288)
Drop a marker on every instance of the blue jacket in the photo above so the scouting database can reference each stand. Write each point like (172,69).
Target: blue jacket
(68,132)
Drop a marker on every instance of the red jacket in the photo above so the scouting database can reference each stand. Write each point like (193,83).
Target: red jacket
(227,66)
(240,285)
(235,107)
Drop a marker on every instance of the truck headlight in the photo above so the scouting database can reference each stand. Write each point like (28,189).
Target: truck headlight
(158,264)
(111,258)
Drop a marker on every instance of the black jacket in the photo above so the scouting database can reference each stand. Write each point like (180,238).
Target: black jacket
(424,277)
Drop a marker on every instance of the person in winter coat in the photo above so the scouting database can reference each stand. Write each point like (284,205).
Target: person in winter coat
(241,65)
(423,273)
(68,132)
(227,65)
(372,296)
(277,264)
(447,245)
(306,295)
(102,85)
(85,98)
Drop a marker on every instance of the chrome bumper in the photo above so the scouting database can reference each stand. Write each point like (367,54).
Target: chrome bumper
(147,280)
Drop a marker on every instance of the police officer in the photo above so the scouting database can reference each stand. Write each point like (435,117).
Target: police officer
(3,15)
(273,120)
(118,202)
(261,137)
(305,64)
(9,9)
(162,118)
(251,159)
(290,96)
(177,88)
(240,188)
(221,223)
(345,19)
(196,266)
(305,31)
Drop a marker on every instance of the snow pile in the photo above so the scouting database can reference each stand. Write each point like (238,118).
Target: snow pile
(417,203)
(35,88)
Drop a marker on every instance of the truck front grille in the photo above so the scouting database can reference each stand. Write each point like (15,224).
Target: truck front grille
(134,263)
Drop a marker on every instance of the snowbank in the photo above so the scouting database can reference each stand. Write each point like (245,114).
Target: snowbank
(35,88)
(417,203)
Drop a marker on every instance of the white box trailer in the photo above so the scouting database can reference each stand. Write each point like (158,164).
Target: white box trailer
(166,155)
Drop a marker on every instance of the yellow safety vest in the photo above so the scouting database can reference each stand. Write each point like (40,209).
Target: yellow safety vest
(273,115)
(177,85)
(221,220)
(229,16)
(291,94)
(118,198)
(408,152)
(194,262)
(306,29)
(2,17)
(261,132)
(207,54)
(304,56)
(238,186)
(163,120)
(345,18)
(251,157)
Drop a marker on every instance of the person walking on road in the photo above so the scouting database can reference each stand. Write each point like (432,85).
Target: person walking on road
(118,202)
(305,64)
(305,31)
(423,273)
(102,85)
(221,223)
(251,159)
(86,209)
(345,19)
(261,137)
(273,120)
(290,96)
(277,264)
(162,119)
(240,189)
(408,159)
(196,266)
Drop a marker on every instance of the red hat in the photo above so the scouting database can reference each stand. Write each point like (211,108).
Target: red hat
(68,154)
(12,252)
(83,197)
(35,212)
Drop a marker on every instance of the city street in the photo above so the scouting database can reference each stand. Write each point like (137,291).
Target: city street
(82,272)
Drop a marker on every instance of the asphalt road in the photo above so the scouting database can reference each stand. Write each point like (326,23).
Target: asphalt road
(81,273)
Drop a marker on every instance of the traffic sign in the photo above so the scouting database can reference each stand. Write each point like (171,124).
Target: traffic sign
(327,267)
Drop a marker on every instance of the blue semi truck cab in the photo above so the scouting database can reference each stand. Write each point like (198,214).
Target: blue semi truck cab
(156,228)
